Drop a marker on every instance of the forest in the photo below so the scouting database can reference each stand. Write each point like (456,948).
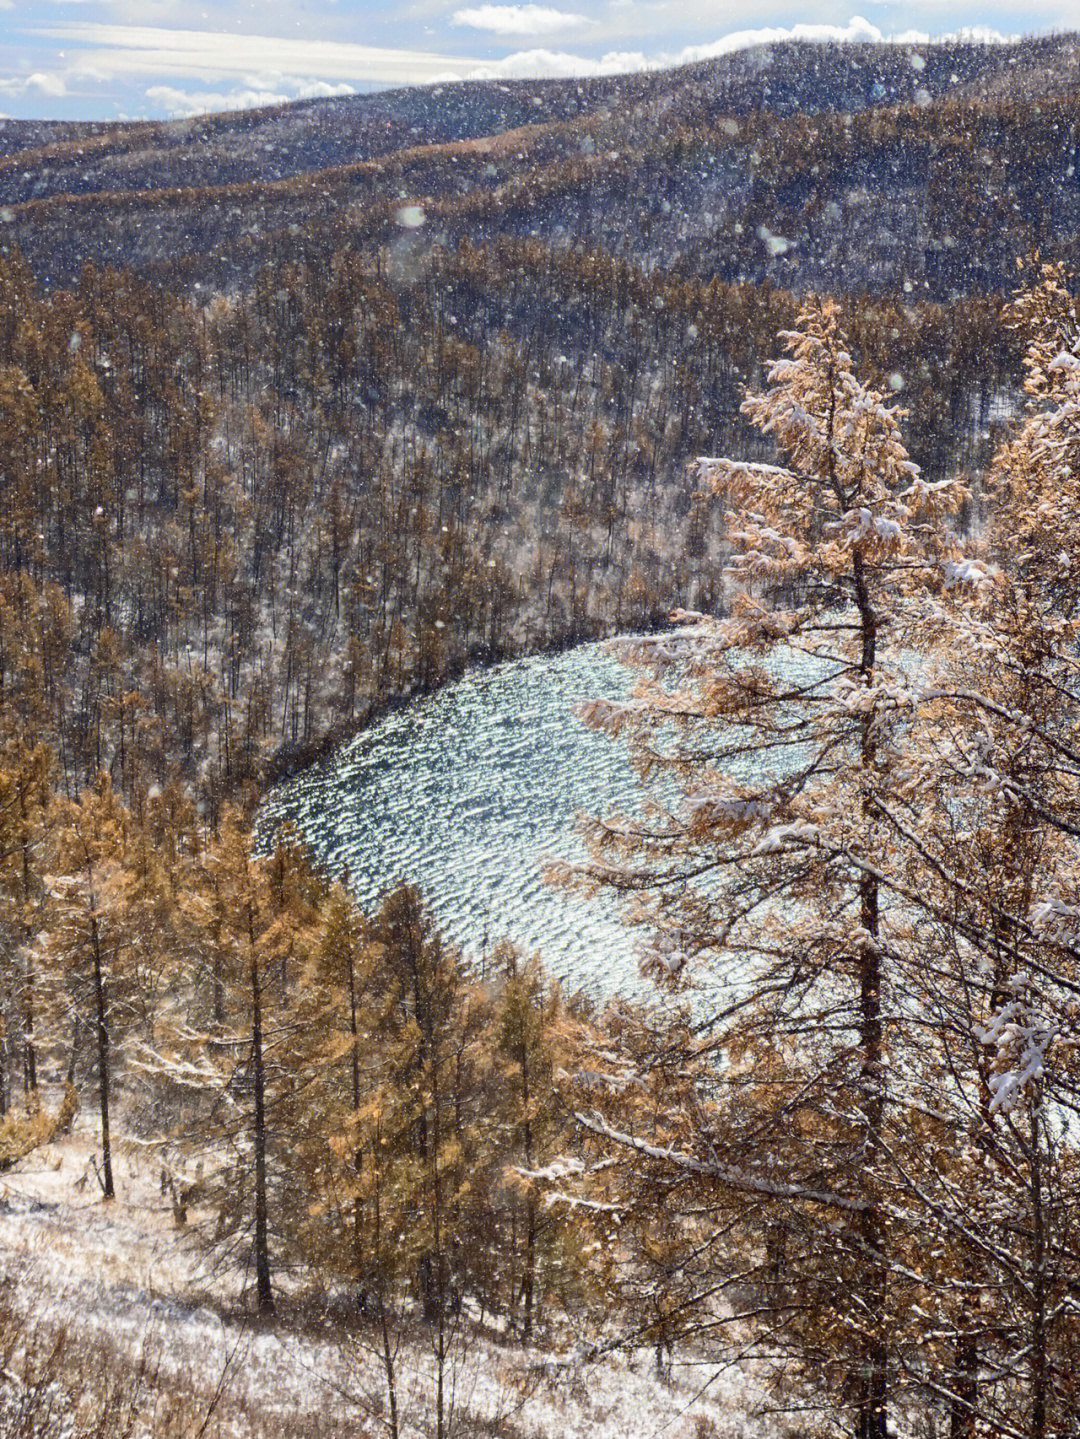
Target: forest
(263,480)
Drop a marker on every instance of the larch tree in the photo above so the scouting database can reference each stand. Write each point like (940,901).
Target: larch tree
(531,1046)
(422,1124)
(759,863)
(999,724)
(274,916)
(351,1138)
(238,1053)
(336,1000)
(25,796)
(88,944)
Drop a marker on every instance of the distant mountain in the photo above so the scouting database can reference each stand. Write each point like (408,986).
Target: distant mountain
(923,169)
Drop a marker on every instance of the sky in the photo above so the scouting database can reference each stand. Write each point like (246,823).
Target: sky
(124,59)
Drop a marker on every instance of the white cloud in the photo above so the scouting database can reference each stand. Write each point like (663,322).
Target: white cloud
(41,82)
(147,50)
(856,30)
(557,65)
(539,64)
(519,19)
(259,92)
(315,89)
(183,103)
(192,71)
(46,83)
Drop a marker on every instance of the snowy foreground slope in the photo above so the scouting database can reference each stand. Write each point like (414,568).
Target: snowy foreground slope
(128,1293)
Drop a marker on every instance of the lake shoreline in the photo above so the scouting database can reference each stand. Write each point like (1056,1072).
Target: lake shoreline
(468,792)
(288,762)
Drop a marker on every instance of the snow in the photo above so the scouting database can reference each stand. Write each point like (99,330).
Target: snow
(964,572)
(735,468)
(722,805)
(123,1280)
(783,835)
(1021,1035)
(1055,920)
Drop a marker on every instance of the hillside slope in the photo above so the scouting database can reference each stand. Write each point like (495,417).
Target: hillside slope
(857,167)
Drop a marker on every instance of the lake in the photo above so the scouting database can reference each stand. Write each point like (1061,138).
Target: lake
(465,793)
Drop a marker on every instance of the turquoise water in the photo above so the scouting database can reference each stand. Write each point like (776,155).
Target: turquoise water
(466,792)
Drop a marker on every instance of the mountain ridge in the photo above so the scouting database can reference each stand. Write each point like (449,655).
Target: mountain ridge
(703,168)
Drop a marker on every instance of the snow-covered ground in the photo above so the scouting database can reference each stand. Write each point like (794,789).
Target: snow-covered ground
(123,1283)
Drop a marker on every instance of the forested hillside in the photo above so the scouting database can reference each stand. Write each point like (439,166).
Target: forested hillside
(257,517)
(855,167)
(305,410)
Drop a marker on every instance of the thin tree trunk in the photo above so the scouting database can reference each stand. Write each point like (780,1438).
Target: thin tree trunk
(74,1050)
(1038,1280)
(384,1323)
(529,1281)
(30,1052)
(217,984)
(388,1365)
(872,1415)
(440,1258)
(964,1386)
(264,1294)
(218,1012)
(358,1208)
(440,1375)
(101,1017)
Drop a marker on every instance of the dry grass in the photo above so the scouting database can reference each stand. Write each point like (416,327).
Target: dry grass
(114,1326)
(61,1381)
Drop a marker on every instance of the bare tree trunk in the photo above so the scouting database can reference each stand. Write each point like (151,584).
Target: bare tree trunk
(101,1020)
(73,1055)
(440,1374)
(964,1386)
(384,1322)
(872,1416)
(29,1050)
(264,1294)
(529,1282)
(1038,1279)
(29,978)
(388,1366)
(358,1208)
(440,1259)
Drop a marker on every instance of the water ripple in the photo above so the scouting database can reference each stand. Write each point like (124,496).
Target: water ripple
(466,792)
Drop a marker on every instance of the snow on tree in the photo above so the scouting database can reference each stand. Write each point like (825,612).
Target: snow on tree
(999,729)
(777,741)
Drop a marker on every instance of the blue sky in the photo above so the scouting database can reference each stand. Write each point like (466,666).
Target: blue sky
(109,59)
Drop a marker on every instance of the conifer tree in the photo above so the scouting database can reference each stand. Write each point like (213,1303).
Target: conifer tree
(414,1156)
(530,1044)
(999,765)
(25,797)
(779,744)
(249,935)
(338,1005)
(90,890)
